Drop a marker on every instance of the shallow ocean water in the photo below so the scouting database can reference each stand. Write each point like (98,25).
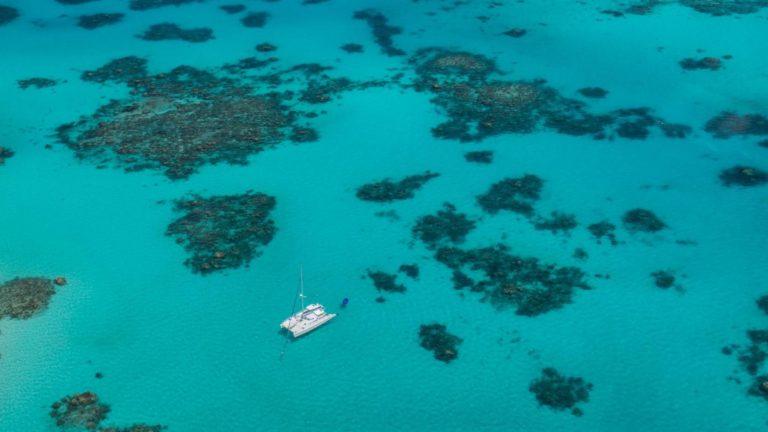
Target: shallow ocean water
(199,353)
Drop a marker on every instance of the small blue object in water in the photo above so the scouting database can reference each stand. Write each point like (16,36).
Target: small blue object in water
(344,302)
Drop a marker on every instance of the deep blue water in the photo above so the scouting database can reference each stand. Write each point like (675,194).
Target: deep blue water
(202,352)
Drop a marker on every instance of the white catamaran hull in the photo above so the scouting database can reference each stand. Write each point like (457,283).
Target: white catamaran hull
(306,320)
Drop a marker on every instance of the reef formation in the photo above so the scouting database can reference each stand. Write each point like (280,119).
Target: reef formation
(23,298)
(386,282)
(642,220)
(510,281)
(729,123)
(86,411)
(745,176)
(480,156)
(517,194)
(604,229)
(5,154)
(436,338)
(382,31)
(92,22)
(560,392)
(388,190)
(255,19)
(446,225)
(705,63)
(7,14)
(170,31)
(479,103)
(141,5)
(223,232)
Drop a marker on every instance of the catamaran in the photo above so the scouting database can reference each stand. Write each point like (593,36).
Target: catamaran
(308,318)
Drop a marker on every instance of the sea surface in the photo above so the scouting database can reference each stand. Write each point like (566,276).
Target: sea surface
(202,352)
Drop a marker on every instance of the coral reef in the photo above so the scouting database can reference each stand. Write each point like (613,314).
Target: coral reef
(514,194)
(516,32)
(560,392)
(141,5)
(135,428)
(557,222)
(663,279)
(80,410)
(728,124)
(759,387)
(5,153)
(74,2)
(481,157)
(436,338)
(710,7)
(388,190)
(223,232)
(524,283)
(23,298)
(593,92)
(232,8)
(7,14)
(741,175)
(762,303)
(382,31)
(479,106)
(410,270)
(92,22)
(170,31)
(255,19)
(642,220)
(352,48)
(603,229)
(706,63)
(446,224)
(265,47)
(385,281)
(36,83)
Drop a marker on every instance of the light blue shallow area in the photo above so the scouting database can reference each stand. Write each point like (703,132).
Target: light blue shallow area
(203,353)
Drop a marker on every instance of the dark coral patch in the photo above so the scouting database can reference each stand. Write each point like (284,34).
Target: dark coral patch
(516,32)
(265,47)
(481,157)
(91,22)
(140,427)
(79,411)
(593,92)
(722,8)
(603,229)
(524,283)
(122,70)
(255,19)
(385,281)
(479,106)
(663,279)
(728,124)
(394,190)
(514,194)
(642,220)
(557,222)
(223,232)
(170,31)
(37,82)
(410,270)
(232,8)
(705,63)
(142,5)
(5,154)
(762,304)
(7,14)
(23,298)
(436,338)
(382,31)
(759,387)
(740,175)
(352,48)
(560,392)
(446,225)
(763,144)
(74,2)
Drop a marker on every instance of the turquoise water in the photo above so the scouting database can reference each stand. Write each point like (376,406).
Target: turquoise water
(201,353)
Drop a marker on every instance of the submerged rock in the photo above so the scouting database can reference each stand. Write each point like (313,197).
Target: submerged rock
(446,225)
(410,270)
(513,194)
(603,229)
(23,298)
(436,338)
(382,31)
(740,175)
(5,153)
(352,48)
(708,63)
(255,19)
(265,47)
(481,157)
(385,282)
(593,92)
(642,220)
(142,5)
(170,31)
(394,190)
(560,392)
(80,410)
(224,231)
(7,14)
(92,22)
(516,32)
(762,303)
(232,8)
(663,279)
(507,280)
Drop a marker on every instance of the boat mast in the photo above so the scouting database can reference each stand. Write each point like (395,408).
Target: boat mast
(301,281)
